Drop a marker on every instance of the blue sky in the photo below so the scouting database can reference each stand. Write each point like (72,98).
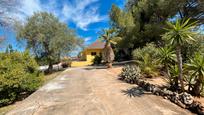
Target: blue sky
(87,17)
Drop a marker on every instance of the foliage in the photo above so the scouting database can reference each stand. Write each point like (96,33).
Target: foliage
(47,37)
(110,37)
(178,34)
(18,74)
(66,62)
(147,59)
(142,21)
(167,56)
(173,77)
(9,49)
(97,59)
(189,50)
(196,69)
(130,73)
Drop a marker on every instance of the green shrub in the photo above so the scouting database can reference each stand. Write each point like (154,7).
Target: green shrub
(195,68)
(189,50)
(147,59)
(130,73)
(18,75)
(173,78)
(97,60)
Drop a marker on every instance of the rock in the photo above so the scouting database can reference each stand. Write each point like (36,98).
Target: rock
(141,84)
(166,92)
(155,90)
(196,107)
(186,98)
(165,97)
(181,104)
(147,87)
(175,97)
(152,87)
(138,81)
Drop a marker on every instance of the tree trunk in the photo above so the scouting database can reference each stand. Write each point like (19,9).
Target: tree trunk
(108,55)
(179,59)
(50,68)
(109,65)
(167,70)
(197,87)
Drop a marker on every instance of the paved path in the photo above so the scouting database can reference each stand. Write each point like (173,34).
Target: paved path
(93,92)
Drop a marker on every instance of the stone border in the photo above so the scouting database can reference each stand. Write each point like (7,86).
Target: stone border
(183,100)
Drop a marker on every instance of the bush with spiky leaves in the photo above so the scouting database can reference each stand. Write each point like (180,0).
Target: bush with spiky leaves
(130,74)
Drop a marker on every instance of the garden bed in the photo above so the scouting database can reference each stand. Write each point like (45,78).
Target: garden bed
(159,86)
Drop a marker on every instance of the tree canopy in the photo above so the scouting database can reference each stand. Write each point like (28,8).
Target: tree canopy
(47,37)
(142,21)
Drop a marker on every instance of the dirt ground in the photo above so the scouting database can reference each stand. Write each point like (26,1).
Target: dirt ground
(159,81)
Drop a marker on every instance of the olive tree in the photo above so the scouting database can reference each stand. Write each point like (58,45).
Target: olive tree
(47,37)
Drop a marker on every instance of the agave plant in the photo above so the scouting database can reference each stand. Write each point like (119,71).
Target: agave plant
(130,73)
(178,34)
(196,68)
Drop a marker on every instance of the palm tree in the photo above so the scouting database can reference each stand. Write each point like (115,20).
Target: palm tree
(178,34)
(109,36)
(196,67)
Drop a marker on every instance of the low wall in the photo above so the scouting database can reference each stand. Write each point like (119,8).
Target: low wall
(80,63)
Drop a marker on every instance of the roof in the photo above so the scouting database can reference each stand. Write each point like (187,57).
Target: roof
(96,45)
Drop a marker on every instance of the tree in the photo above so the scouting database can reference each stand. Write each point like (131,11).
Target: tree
(193,9)
(196,67)
(141,21)
(48,38)
(9,49)
(109,36)
(178,34)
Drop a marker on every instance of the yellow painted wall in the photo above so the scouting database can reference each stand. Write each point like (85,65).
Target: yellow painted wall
(80,63)
(88,57)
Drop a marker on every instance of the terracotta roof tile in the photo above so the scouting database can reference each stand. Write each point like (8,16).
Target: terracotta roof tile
(96,45)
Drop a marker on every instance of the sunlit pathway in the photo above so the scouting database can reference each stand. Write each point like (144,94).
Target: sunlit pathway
(86,91)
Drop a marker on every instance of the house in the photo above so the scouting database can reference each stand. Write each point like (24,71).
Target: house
(89,54)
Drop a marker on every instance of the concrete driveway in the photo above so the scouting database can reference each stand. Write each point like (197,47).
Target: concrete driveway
(89,91)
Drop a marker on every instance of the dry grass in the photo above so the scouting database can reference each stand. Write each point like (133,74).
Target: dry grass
(4,110)
(51,76)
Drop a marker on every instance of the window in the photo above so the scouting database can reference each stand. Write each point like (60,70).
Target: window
(93,53)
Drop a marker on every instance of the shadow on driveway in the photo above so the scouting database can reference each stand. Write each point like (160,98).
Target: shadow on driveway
(134,92)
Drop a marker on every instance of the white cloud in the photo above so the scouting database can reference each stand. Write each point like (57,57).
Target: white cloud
(81,12)
(28,7)
(87,39)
